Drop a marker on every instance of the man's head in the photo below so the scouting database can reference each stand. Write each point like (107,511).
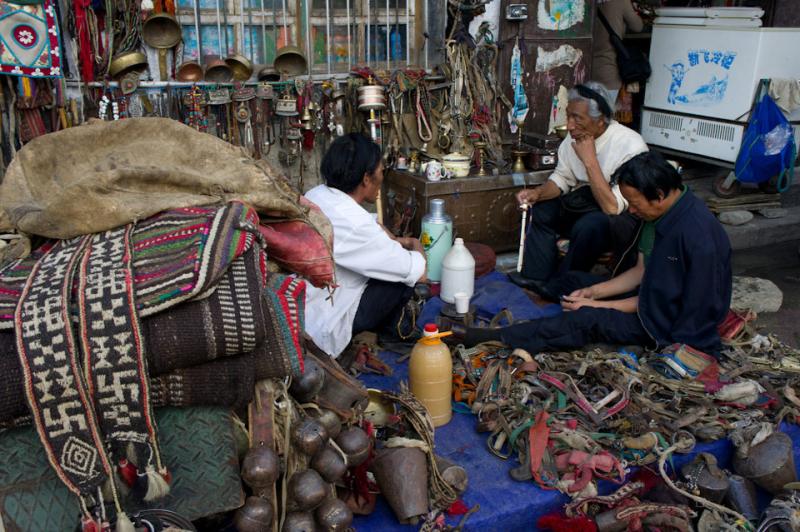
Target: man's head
(353,165)
(588,110)
(649,183)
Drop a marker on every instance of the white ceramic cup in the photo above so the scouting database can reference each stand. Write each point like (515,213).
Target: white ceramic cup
(462,302)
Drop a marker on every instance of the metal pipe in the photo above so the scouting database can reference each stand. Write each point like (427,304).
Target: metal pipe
(328,29)
(285,30)
(263,32)
(425,34)
(309,51)
(369,21)
(196,6)
(388,33)
(349,49)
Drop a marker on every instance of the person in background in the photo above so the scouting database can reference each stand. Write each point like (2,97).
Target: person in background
(577,201)
(375,272)
(621,16)
(680,286)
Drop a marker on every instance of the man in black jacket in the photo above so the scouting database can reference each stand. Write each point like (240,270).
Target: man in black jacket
(683,276)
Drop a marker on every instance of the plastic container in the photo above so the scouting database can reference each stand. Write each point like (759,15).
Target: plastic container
(458,272)
(436,238)
(430,375)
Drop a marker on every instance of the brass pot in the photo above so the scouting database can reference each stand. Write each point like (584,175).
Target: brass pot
(162,31)
(132,61)
(189,71)
(260,467)
(241,67)
(329,464)
(309,436)
(255,516)
(217,70)
(334,515)
(307,489)
(290,61)
(356,444)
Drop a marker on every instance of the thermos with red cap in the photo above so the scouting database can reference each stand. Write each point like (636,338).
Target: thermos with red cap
(430,374)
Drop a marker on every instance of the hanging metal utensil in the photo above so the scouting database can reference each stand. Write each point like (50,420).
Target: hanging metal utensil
(191,70)
(241,66)
(225,23)
(219,27)
(162,32)
(263,33)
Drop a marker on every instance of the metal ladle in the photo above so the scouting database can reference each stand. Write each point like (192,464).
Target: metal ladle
(162,32)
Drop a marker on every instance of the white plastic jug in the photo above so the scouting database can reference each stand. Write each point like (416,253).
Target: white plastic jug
(458,272)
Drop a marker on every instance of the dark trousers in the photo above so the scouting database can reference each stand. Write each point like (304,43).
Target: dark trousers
(575,329)
(381,306)
(589,237)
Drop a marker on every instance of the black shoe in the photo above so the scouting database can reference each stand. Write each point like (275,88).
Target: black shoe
(534,285)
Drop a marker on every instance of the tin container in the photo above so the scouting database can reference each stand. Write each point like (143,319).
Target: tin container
(457,164)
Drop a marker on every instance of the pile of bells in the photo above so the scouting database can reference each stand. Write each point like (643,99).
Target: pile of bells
(327,444)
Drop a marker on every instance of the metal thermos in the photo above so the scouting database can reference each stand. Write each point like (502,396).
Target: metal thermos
(436,238)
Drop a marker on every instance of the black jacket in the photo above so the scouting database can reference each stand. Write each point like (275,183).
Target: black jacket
(686,288)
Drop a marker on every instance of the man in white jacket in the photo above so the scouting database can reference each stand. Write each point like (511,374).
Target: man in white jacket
(578,201)
(375,272)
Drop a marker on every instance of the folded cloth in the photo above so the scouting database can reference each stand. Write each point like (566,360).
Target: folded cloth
(178,255)
(786,93)
(230,321)
(227,382)
(281,353)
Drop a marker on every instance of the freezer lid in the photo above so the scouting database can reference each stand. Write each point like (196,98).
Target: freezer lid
(709,22)
(710,12)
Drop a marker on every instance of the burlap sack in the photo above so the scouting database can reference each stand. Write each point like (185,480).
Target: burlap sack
(103,175)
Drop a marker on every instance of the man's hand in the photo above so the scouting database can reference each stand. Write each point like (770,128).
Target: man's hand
(571,302)
(529,195)
(411,244)
(585,149)
(584,293)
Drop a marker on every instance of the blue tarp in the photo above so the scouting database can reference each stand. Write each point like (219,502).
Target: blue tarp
(505,505)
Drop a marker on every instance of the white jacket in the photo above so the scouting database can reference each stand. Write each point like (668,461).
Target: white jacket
(614,147)
(361,250)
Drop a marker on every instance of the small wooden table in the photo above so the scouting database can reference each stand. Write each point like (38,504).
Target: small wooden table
(484,208)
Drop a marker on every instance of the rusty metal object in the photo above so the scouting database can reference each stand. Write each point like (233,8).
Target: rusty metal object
(329,464)
(330,420)
(260,467)
(307,385)
(255,516)
(299,522)
(309,436)
(290,61)
(356,444)
(402,474)
(742,497)
(452,473)
(334,515)
(242,68)
(770,464)
(704,474)
(307,489)
(341,392)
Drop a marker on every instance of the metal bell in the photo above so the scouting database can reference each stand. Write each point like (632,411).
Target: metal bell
(334,515)
(329,463)
(260,467)
(356,444)
(307,489)
(299,522)
(309,436)
(255,516)
(307,385)
(330,420)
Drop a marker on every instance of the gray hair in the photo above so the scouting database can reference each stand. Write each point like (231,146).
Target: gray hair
(594,109)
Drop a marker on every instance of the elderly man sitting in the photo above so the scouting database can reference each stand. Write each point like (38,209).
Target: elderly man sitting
(577,201)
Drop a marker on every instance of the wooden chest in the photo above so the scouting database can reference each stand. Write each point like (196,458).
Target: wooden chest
(484,209)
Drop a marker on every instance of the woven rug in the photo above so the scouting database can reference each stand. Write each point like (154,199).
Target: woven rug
(281,353)
(29,40)
(177,255)
(230,321)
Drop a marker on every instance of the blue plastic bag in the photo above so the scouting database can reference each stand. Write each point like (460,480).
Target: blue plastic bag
(768,147)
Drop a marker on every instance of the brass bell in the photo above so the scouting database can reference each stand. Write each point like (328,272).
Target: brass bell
(260,467)
(299,522)
(255,516)
(356,444)
(307,385)
(330,420)
(309,436)
(334,515)
(306,118)
(329,464)
(307,489)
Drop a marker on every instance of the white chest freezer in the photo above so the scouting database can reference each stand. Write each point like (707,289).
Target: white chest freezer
(704,81)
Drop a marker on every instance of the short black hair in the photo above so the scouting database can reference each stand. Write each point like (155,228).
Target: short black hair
(348,159)
(650,174)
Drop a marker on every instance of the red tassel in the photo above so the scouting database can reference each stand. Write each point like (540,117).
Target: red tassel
(458,508)
(308,140)
(166,475)
(128,472)
(558,523)
(89,525)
